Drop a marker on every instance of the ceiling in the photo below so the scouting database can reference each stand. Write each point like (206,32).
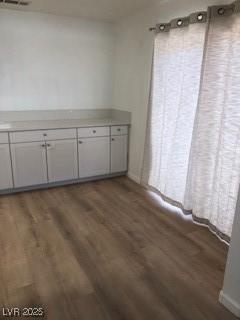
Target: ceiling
(104,10)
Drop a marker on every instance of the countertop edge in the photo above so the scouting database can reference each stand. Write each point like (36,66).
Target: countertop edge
(59,124)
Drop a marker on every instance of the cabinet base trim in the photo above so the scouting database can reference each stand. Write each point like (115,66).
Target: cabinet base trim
(62,183)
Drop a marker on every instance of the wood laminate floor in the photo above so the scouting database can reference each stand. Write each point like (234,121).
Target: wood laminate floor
(106,250)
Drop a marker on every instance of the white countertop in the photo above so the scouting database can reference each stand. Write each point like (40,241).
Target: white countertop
(58,124)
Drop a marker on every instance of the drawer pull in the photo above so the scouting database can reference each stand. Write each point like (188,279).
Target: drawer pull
(43,145)
(119,129)
(45,135)
(113,139)
(80,142)
(94,131)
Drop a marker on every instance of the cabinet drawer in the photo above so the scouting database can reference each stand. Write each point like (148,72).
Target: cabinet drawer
(42,135)
(119,130)
(26,136)
(93,132)
(60,134)
(3,137)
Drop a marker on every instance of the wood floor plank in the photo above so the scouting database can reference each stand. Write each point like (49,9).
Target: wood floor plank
(107,250)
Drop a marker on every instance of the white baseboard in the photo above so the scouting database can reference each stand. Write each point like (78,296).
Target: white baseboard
(230,304)
(134,177)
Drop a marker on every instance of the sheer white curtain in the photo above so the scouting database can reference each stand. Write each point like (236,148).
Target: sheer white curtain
(192,153)
(175,87)
(215,165)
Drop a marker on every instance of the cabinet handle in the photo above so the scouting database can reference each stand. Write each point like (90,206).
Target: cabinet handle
(43,145)
(48,145)
(45,135)
(113,139)
(119,129)
(80,142)
(94,131)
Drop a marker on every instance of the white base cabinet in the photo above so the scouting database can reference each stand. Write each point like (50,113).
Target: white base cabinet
(94,156)
(5,168)
(119,153)
(62,160)
(40,157)
(29,164)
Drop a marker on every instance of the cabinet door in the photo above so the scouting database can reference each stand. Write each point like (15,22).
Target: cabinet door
(29,164)
(62,160)
(5,167)
(119,154)
(94,157)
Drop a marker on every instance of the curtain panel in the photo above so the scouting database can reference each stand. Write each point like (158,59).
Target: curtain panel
(192,152)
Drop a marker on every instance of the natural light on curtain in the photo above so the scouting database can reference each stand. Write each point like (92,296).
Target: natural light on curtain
(215,162)
(176,78)
(192,154)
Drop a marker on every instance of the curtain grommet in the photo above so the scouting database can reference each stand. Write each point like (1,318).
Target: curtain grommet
(221,11)
(200,17)
(180,22)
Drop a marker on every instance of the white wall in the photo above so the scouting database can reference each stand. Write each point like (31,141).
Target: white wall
(51,62)
(133,65)
(230,295)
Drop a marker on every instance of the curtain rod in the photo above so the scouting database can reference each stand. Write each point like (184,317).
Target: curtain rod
(152,29)
(198,17)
